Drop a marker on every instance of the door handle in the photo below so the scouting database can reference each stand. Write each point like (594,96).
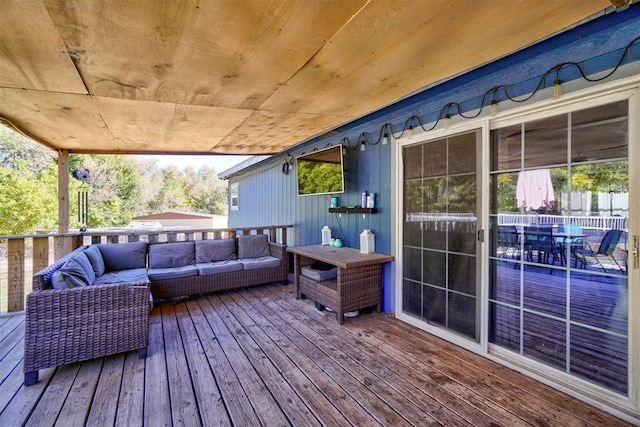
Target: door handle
(634,252)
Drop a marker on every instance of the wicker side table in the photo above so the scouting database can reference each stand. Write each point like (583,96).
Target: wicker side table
(358,282)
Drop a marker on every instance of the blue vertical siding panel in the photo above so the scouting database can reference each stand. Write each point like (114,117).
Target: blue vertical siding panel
(269,197)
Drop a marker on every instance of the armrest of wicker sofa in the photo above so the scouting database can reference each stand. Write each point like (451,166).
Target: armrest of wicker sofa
(279,251)
(71,325)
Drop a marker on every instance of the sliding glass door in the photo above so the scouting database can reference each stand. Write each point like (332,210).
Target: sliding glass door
(440,262)
(559,218)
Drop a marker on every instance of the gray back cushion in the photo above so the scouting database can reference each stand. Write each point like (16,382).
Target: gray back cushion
(215,250)
(124,256)
(168,255)
(253,246)
(95,258)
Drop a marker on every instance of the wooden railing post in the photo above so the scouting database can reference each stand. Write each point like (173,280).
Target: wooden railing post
(15,265)
(40,253)
(62,245)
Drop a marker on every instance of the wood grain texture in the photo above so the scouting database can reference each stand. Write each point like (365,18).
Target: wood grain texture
(272,74)
(274,359)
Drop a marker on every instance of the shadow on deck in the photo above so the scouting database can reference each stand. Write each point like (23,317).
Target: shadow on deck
(258,357)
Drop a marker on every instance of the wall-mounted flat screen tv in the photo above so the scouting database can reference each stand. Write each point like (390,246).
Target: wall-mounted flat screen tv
(320,172)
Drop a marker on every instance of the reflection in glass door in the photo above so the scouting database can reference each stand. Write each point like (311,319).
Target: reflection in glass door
(559,221)
(439,233)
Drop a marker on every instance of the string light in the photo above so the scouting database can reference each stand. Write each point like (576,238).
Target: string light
(556,91)
(494,107)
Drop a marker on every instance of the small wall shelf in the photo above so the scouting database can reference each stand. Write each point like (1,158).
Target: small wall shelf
(348,210)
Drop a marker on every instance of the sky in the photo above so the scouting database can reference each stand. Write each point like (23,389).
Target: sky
(220,163)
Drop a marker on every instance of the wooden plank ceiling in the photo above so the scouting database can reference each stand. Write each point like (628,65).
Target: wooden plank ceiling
(240,76)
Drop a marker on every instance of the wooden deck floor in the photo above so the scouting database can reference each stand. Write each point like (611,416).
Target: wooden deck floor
(261,357)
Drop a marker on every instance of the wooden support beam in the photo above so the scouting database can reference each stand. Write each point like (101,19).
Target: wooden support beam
(63,191)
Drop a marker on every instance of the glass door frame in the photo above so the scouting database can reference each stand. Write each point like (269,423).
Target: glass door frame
(580,101)
(626,88)
(482,220)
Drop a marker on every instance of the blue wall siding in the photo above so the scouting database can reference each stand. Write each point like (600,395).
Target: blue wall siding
(267,196)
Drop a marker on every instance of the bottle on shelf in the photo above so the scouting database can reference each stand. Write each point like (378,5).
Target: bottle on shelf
(371,203)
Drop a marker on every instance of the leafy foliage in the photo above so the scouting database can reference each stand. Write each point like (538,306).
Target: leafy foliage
(119,188)
(319,178)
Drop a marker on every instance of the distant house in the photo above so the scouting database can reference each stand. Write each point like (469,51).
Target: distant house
(179,220)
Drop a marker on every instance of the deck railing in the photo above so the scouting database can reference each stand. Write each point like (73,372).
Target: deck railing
(601,223)
(21,256)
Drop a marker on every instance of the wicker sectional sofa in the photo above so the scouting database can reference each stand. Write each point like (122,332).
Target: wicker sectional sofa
(191,268)
(96,300)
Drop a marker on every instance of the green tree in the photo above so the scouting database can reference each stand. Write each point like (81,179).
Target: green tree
(28,199)
(22,203)
(610,176)
(172,196)
(318,177)
(114,187)
(206,192)
(19,152)
(119,188)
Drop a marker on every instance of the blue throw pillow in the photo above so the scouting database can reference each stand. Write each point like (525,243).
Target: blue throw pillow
(95,258)
(124,256)
(57,281)
(253,246)
(78,271)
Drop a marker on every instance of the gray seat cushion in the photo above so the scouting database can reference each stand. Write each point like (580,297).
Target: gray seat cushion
(172,273)
(174,254)
(319,275)
(124,256)
(133,275)
(215,250)
(253,246)
(217,267)
(262,262)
